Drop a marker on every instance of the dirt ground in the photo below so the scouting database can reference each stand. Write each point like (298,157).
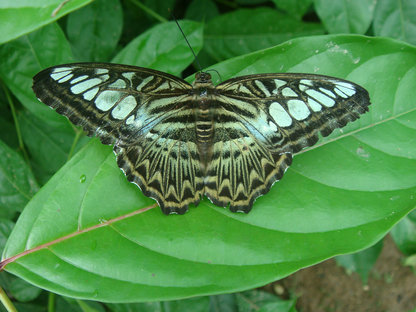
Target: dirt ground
(326,287)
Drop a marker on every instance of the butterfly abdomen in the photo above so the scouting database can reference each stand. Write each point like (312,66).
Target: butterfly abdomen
(204,112)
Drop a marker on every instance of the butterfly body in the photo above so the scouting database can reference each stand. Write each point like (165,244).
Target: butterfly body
(178,141)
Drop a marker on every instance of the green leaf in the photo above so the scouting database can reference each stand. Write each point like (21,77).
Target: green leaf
(65,304)
(404,234)
(105,241)
(6,227)
(295,8)
(244,31)
(202,10)
(250,2)
(410,261)
(361,262)
(18,18)
(396,19)
(166,50)
(256,300)
(198,304)
(8,132)
(353,16)
(49,146)
(23,291)
(17,183)
(136,307)
(95,30)
(89,306)
(248,301)
(22,58)
(27,307)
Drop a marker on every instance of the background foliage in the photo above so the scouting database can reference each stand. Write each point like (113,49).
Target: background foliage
(88,233)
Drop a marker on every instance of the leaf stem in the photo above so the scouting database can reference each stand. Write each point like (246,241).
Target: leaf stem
(16,122)
(78,134)
(51,302)
(6,301)
(149,11)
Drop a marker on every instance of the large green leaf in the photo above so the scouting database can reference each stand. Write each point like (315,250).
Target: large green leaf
(48,146)
(90,234)
(248,301)
(18,18)
(94,31)
(22,58)
(353,16)
(244,31)
(17,183)
(396,19)
(295,8)
(163,47)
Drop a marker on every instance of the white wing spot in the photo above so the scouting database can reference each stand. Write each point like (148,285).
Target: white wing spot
(85,85)
(272,126)
(80,78)
(316,107)
(65,78)
(320,97)
(346,88)
(89,95)
(328,92)
(118,84)
(58,75)
(340,93)
(262,87)
(107,99)
(279,114)
(130,120)
(288,92)
(305,83)
(100,71)
(61,69)
(278,84)
(124,108)
(88,84)
(298,109)
(144,82)
(129,76)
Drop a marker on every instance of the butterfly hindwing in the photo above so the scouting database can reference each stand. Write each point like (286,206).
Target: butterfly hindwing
(165,164)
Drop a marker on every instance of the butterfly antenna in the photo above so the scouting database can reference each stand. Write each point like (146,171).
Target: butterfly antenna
(212,69)
(196,59)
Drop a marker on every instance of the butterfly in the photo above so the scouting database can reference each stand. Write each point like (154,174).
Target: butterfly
(179,142)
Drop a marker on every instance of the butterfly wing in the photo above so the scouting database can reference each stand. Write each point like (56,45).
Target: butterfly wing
(262,119)
(145,113)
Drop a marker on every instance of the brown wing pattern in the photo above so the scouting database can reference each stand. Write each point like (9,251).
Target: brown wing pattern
(165,164)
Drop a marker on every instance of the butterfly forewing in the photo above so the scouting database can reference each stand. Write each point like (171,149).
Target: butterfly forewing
(178,142)
(294,108)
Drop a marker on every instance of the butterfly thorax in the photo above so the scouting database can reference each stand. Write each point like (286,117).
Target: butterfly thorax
(204,105)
